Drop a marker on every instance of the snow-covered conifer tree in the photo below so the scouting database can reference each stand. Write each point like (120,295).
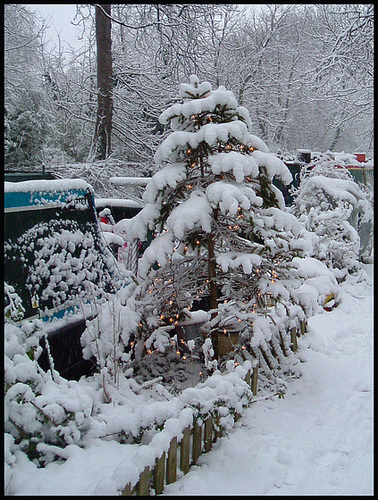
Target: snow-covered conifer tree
(219,222)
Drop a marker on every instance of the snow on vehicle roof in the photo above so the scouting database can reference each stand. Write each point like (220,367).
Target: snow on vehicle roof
(117,202)
(46,185)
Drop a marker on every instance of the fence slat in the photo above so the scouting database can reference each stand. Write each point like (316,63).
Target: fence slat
(283,345)
(293,336)
(159,473)
(143,486)
(218,432)
(303,327)
(172,462)
(185,451)
(126,492)
(208,437)
(197,441)
(248,377)
(255,374)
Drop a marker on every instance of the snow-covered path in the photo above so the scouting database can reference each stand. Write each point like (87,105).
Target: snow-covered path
(319,439)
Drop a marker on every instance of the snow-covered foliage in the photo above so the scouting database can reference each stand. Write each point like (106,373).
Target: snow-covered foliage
(332,205)
(40,407)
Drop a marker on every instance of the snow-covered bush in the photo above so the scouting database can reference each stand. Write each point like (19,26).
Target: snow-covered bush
(106,337)
(334,207)
(40,407)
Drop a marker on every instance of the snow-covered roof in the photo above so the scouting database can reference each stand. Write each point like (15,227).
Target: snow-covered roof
(46,185)
(117,202)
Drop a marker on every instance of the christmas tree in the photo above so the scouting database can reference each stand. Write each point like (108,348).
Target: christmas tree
(220,225)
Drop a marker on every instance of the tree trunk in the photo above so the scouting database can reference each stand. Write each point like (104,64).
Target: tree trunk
(103,128)
(212,266)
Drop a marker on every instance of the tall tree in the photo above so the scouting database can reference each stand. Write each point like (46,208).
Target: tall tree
(103,128)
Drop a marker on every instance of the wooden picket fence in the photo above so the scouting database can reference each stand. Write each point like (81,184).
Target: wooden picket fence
(205,430)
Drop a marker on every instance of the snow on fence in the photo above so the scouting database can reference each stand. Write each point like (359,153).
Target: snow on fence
(181,442)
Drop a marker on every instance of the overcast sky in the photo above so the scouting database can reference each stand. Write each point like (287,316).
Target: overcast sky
(59,19)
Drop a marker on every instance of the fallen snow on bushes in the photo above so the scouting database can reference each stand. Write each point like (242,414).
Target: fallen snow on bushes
(318,440)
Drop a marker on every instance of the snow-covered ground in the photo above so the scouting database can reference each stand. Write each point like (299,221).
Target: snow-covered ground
(318,440)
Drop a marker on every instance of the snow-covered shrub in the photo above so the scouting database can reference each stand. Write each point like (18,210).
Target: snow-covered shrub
(335,208)
(40,407)
(107,334)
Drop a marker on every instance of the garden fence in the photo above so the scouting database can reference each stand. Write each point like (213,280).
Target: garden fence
(198,437)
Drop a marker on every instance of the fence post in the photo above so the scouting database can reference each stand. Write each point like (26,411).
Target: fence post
(197,441)
(159,472)
(172,462)
(185,451)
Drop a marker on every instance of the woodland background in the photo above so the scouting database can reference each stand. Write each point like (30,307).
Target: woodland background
(304,72)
